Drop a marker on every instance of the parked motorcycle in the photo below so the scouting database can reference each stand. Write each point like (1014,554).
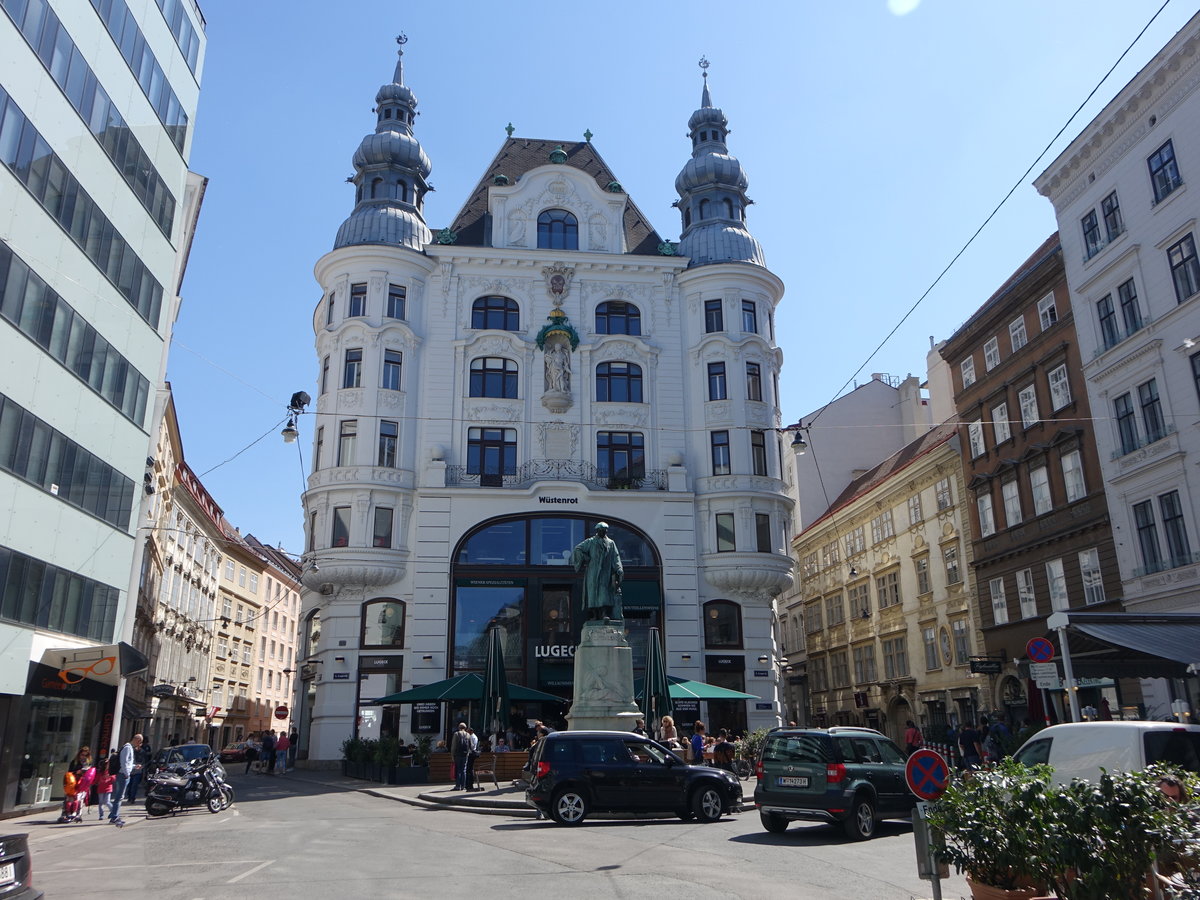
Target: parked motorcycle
(199,783)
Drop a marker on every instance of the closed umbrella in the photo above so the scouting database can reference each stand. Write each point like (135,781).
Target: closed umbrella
(495,686)
(656,699)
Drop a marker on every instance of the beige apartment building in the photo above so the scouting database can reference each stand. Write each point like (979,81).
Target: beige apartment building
(886,611)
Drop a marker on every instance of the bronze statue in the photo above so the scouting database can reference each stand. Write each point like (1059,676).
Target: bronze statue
(602,580)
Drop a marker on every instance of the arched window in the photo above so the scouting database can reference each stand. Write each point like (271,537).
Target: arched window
(402,191)
(383,624)
(618,382)
(729,209)
(558,230)
(376,187)
(703,209)
(618,317)
(493,377)
(495,312)
(687,217)
(722,624)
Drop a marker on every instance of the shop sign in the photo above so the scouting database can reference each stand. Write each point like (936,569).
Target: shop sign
(381,663)
(686,710)
(572,501)
(426,718)
(554,651)
(986,665)
(714,663)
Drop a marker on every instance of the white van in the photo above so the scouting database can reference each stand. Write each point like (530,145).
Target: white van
(1082,749)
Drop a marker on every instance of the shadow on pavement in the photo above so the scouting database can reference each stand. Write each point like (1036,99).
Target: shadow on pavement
(819,834)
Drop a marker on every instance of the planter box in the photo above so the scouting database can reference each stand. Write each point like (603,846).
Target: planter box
(407,775)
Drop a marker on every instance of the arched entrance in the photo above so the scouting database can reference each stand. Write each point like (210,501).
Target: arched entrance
(514,572)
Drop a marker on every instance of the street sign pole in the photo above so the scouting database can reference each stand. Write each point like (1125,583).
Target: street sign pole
(928,865)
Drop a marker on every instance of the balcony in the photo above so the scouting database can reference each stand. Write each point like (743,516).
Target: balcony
(557,470)
(1124,454)
(1163,565)
(1108,341)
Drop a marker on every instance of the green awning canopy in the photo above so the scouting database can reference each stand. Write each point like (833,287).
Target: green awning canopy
(467,687)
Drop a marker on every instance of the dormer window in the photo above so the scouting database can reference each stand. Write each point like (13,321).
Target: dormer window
(703,209)
(387,113)
(376,184)
(558,230)
(728,208)
(402,191)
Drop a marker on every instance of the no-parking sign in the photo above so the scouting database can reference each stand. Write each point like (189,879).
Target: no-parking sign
(927,774)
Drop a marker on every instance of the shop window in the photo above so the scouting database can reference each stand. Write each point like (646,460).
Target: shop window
(722,624)
(383,624)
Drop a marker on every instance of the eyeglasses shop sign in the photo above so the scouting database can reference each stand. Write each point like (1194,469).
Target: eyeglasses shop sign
(554,651)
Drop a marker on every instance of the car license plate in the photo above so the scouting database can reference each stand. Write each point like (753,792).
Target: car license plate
(793,781)
(8,873)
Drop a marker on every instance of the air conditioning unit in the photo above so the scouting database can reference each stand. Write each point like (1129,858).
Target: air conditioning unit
(327,589)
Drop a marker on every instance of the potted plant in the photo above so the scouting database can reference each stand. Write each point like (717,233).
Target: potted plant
(355,755)
(991,826)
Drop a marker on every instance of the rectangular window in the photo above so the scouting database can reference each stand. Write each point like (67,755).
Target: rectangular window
(1111,210)
(1060,388)
(491,454)
(1016,334)
(813,619)
(999,602)
(758,452)
(714,316)
(716,381)
(762,533)
(346,439)
(229,570)
(340,533)
(1056,580)
(922,568)
(1130,312)
(749,317)
(1027,398)
(1164,172)
(950,559)
(1010,492)
(726,539)
(839,669)
(1195,358)
(987,522)
(389,434)
(887,590)
(621,457)
(1126,423)
(358,300)
(1185,268)
(720,452)
(991,354)
(929,641)
(856,541)
(1072,469)
(895,657)
(1093,582)
(320,447)
(914,510)
(864,664)
(1047,311)
(1092,242)
(1000,425)
(1039,485)
(392,363)
(352,370)
(1147,530)
(329,311)
(882,527)
(975,438)
(835,610)
(1110,331)
(1026,595)
(1152,414)
(753,381)
(395,301)
(381,532)
(945,496)
(860,600)
(967,370)
(254,582)
(310,546)
(962,644)
(1174,528)
(325,375)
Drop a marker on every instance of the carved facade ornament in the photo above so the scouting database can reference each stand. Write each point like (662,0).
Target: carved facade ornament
(391,399)
(516,228)
(597,232)
(619,349)
(494,344)
(350,399)
(551,434)
(558,282)
(493,413)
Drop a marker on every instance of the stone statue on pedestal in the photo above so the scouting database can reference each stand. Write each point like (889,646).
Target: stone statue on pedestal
(602,581)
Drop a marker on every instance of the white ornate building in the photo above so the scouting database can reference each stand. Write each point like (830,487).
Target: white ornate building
(488,394)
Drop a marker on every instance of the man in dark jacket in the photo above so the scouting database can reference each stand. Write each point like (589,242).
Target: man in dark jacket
(267,751)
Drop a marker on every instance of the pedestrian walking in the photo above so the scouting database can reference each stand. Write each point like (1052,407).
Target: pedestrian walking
(472,755)
(251,754)
(268,752)
(281,753)
(85,773)
(141,761)
(460,746)
(124,770)
(698,743)
(969,745)
(293,743)
(104,785)
(913,739)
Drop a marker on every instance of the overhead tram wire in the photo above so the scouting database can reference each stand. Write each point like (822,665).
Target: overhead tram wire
(993,213)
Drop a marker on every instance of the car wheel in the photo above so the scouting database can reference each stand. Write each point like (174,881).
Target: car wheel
(707,803)
(861,823)
(569,807)
(773,823)
(157,808)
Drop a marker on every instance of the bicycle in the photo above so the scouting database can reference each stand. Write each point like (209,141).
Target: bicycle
(742,769)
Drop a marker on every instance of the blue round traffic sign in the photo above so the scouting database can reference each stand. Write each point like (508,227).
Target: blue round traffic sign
(927,774)
(1039,650)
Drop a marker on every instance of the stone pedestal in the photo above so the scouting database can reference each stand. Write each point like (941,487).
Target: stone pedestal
(557,401)
(603,680)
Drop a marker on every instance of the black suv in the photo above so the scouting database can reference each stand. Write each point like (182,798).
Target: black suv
(576,772)
(852,776)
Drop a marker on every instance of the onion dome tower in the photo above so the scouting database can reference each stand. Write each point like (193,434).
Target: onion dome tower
(712,193)
(390,172)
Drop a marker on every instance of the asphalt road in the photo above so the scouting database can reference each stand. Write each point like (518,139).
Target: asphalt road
(295,837)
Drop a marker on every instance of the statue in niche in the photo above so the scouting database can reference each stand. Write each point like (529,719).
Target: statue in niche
(558,368)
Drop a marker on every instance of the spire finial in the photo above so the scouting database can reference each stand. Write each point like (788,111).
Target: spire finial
(705,97)
(401,39)
(509,128)
(587,135)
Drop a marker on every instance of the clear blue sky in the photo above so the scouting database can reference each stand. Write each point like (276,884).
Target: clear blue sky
(877,137)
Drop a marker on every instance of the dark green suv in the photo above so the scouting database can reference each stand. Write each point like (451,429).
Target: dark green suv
(841,775)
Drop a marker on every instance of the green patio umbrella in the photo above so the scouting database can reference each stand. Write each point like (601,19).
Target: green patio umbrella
(495,686)
(462,687)
(656,699)
(686,689)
